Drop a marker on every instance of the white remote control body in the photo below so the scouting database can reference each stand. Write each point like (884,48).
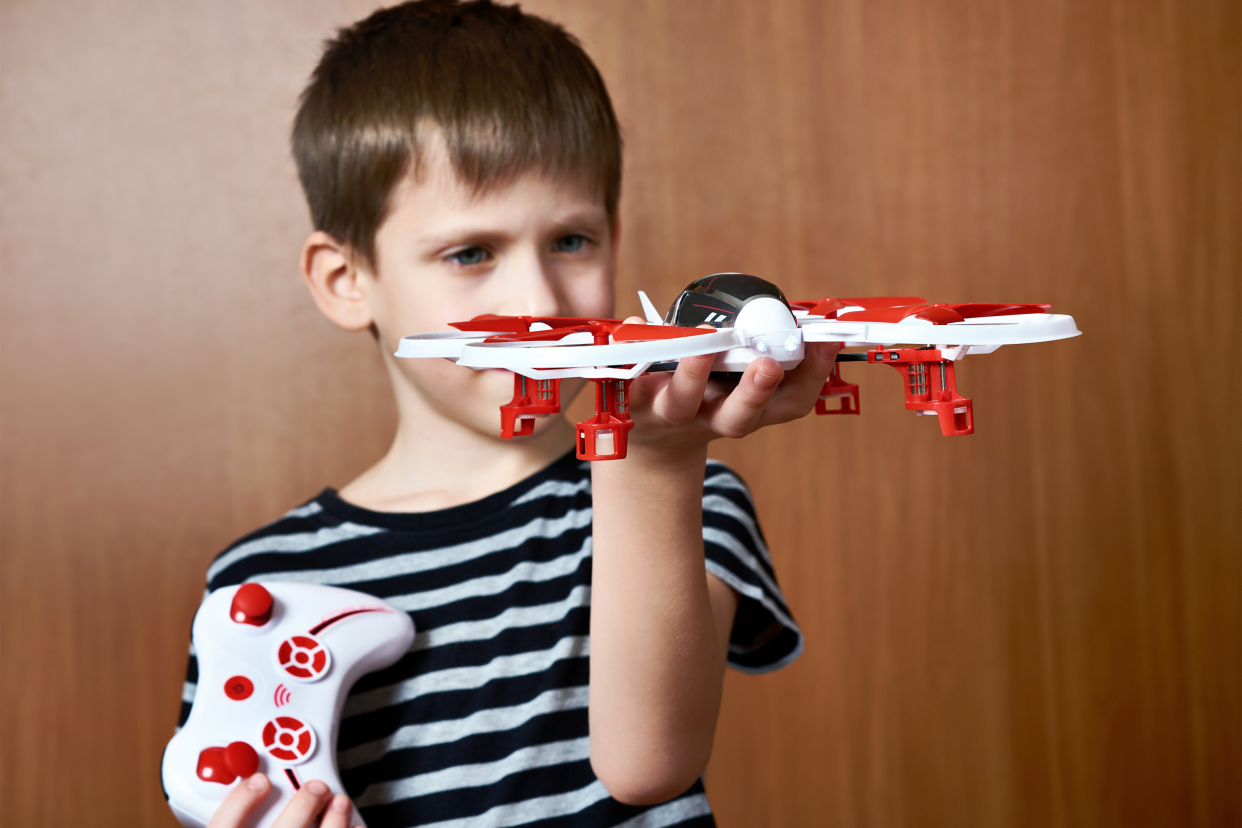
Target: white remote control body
(275,663)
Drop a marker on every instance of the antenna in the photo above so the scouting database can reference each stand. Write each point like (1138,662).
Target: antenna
(653,316)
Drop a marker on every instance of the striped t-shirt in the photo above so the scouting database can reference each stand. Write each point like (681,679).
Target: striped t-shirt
(484,721)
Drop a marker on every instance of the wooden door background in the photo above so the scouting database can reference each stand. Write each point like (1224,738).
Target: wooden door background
(1038,625)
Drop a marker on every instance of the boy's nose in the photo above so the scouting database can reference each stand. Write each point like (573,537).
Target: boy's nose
(537,293)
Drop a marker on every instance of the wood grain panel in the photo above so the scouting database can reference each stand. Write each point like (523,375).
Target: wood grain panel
(1036,625)
(167,384)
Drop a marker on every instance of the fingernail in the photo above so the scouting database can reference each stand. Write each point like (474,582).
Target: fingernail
(340,804)
(257,782)
(822,349)
(317,788)
(765,382)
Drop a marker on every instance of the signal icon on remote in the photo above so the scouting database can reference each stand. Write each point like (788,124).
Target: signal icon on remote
(282,696)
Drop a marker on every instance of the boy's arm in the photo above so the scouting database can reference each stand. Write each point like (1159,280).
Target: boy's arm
(659,623)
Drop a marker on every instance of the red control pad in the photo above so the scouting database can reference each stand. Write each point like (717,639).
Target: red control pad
(238,688)
(213,767)
(252,604)
(289,739)
(303,657)
(224,764)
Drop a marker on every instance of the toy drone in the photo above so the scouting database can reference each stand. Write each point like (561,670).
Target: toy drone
(748,318)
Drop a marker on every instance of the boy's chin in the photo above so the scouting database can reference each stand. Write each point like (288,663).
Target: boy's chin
(477,406)
(545,428)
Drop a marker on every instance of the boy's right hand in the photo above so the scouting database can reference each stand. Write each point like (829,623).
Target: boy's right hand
(307,804)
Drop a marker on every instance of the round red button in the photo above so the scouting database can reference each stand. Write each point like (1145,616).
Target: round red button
(288,739)
(252,604)
(238,688)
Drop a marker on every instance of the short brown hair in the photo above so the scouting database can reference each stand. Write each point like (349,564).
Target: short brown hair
(509,92)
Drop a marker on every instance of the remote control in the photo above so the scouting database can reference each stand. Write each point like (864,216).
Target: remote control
(275,663)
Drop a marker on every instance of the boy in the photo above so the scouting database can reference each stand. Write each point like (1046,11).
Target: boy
(462,159)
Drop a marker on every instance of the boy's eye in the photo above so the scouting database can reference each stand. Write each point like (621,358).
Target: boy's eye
(570,244)
(468,257)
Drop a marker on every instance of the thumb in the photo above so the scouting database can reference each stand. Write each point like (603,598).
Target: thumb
(240,803)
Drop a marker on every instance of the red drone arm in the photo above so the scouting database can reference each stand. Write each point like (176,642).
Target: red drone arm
(930,391)
(531,398)
(606,435)
(837,388)
(602,437)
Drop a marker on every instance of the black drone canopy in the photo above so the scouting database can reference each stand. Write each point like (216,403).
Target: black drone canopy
(716,299)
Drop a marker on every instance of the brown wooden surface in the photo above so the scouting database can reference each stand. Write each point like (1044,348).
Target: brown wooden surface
(1038,625)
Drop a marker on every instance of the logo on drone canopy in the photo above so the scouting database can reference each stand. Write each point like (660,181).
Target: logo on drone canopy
(282,696)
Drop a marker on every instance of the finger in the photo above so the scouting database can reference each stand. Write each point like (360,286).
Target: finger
(825,352)
(304,807)
(337,813)
(679,400)
(634,320)
(800,390)
(738,414)
(241,801)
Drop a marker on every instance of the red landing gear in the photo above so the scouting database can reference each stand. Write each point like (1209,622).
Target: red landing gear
(531,398)
(845,392)
(931,388)
(604,436)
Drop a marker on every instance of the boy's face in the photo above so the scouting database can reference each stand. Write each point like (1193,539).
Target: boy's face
(536,247)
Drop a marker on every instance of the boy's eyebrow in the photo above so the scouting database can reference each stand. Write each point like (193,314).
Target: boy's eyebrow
(483,232)
(582,217)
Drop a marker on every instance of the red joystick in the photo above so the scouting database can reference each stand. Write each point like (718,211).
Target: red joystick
(242,759)
(223,765)
(212,767)
(251,605)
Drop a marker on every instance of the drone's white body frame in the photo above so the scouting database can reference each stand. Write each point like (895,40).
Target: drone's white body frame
(764,327)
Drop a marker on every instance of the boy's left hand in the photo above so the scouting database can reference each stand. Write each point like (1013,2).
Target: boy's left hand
(683,410)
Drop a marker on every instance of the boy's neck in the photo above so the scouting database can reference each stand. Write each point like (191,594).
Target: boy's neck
(435,463)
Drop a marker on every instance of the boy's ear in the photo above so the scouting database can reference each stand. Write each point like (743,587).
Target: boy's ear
(335,281)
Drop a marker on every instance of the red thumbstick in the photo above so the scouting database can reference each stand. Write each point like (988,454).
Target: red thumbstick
(251,605)
(213,767)
(241,759)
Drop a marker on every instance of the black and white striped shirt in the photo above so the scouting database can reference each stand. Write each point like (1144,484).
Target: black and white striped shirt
(484,721)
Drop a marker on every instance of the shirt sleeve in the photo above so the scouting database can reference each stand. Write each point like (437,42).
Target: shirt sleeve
(188,689)
(765,636)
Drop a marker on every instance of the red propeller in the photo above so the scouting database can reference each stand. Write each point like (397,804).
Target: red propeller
(936,314)
(584,326)
(638,332)
(521,324)
(829,307)
(620,332)
(970,310)
(942,314)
